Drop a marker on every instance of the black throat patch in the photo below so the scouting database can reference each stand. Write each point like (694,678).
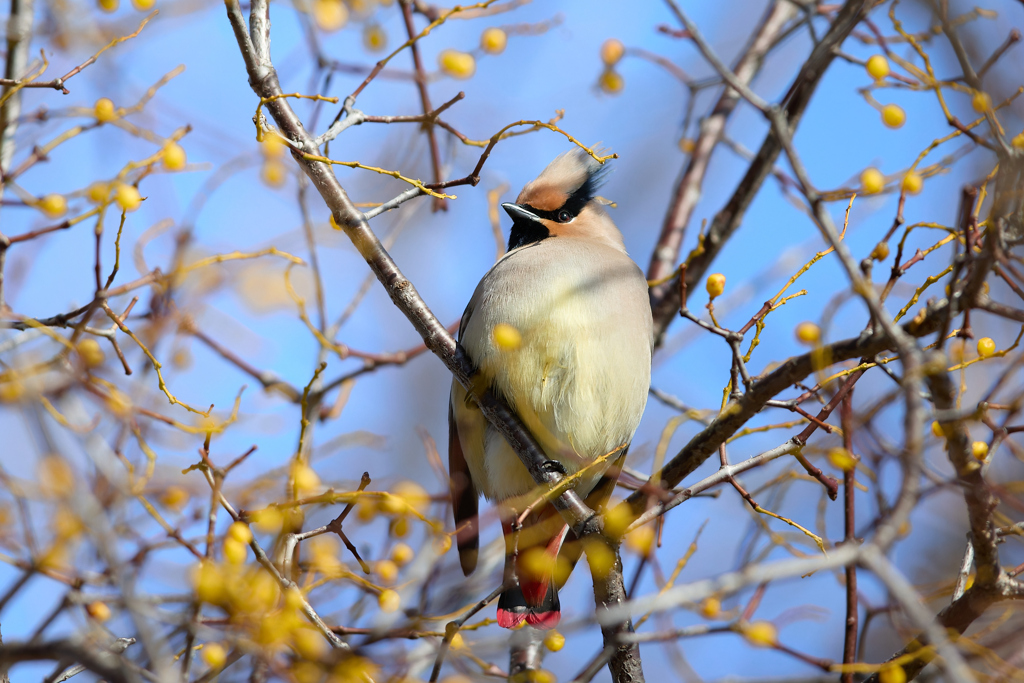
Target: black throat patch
(526,232)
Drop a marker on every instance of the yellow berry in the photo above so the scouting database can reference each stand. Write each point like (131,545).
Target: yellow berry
(611,81)
(493,41)
(103,110)
(554,641)
(979,449)
(240,532)
(374,38)
(127,197)
(986,347)
(872,181)
(367,508)
(937,430)
(641,541)
(893,116)
(414,495)
(215,655)
(617,519)
(389,600)
(174,156)
(402,554)
(1018,141)
(330,15)
(260,592)
(268,520)
(98,611)
(981,102)
(542,676)
(458,642)
(506,337)
(209,582)
(143,5)
(53,205)
(352,669)
(878,67)
(761,633)
(235,552)
(842,459)
(174,497)
(324,550)
(892,673)
(711,608)
(881,251)
(273,173)
(612,51)
(715,284)
(309,643)
(90,352)
(686,145)
(536,563)
(293,599)
(912,183)
(808,333)
(306,480)
(334,223)
(97,193)
(307,672)
(600,557)
(108,5)
(273,147)
(399,527)
(386,570)
(457,64)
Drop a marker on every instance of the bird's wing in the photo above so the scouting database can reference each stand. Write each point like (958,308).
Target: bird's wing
(465,503)
(464,496)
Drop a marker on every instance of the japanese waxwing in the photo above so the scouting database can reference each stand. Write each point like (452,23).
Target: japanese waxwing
(561,328)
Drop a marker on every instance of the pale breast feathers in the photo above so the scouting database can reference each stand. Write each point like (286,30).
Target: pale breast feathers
(580,376)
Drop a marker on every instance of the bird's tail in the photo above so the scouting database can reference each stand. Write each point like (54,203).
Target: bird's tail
(531,563)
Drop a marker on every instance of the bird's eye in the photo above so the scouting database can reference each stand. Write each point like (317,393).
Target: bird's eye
(564,216)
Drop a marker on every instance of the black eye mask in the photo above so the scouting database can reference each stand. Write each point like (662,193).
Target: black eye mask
(526,231)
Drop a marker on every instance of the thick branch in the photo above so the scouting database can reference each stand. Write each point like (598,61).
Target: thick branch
(981,501)
(104,664)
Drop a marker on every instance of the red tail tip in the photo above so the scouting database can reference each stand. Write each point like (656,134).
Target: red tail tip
(507,619)
(544,621)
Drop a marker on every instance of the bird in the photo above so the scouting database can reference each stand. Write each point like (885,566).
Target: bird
(561,329)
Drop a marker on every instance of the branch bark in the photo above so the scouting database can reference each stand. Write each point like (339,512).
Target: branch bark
(101,662)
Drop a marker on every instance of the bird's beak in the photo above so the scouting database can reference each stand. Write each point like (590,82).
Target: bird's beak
(519,214)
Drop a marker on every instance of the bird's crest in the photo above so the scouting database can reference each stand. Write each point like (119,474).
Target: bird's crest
(573,177)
